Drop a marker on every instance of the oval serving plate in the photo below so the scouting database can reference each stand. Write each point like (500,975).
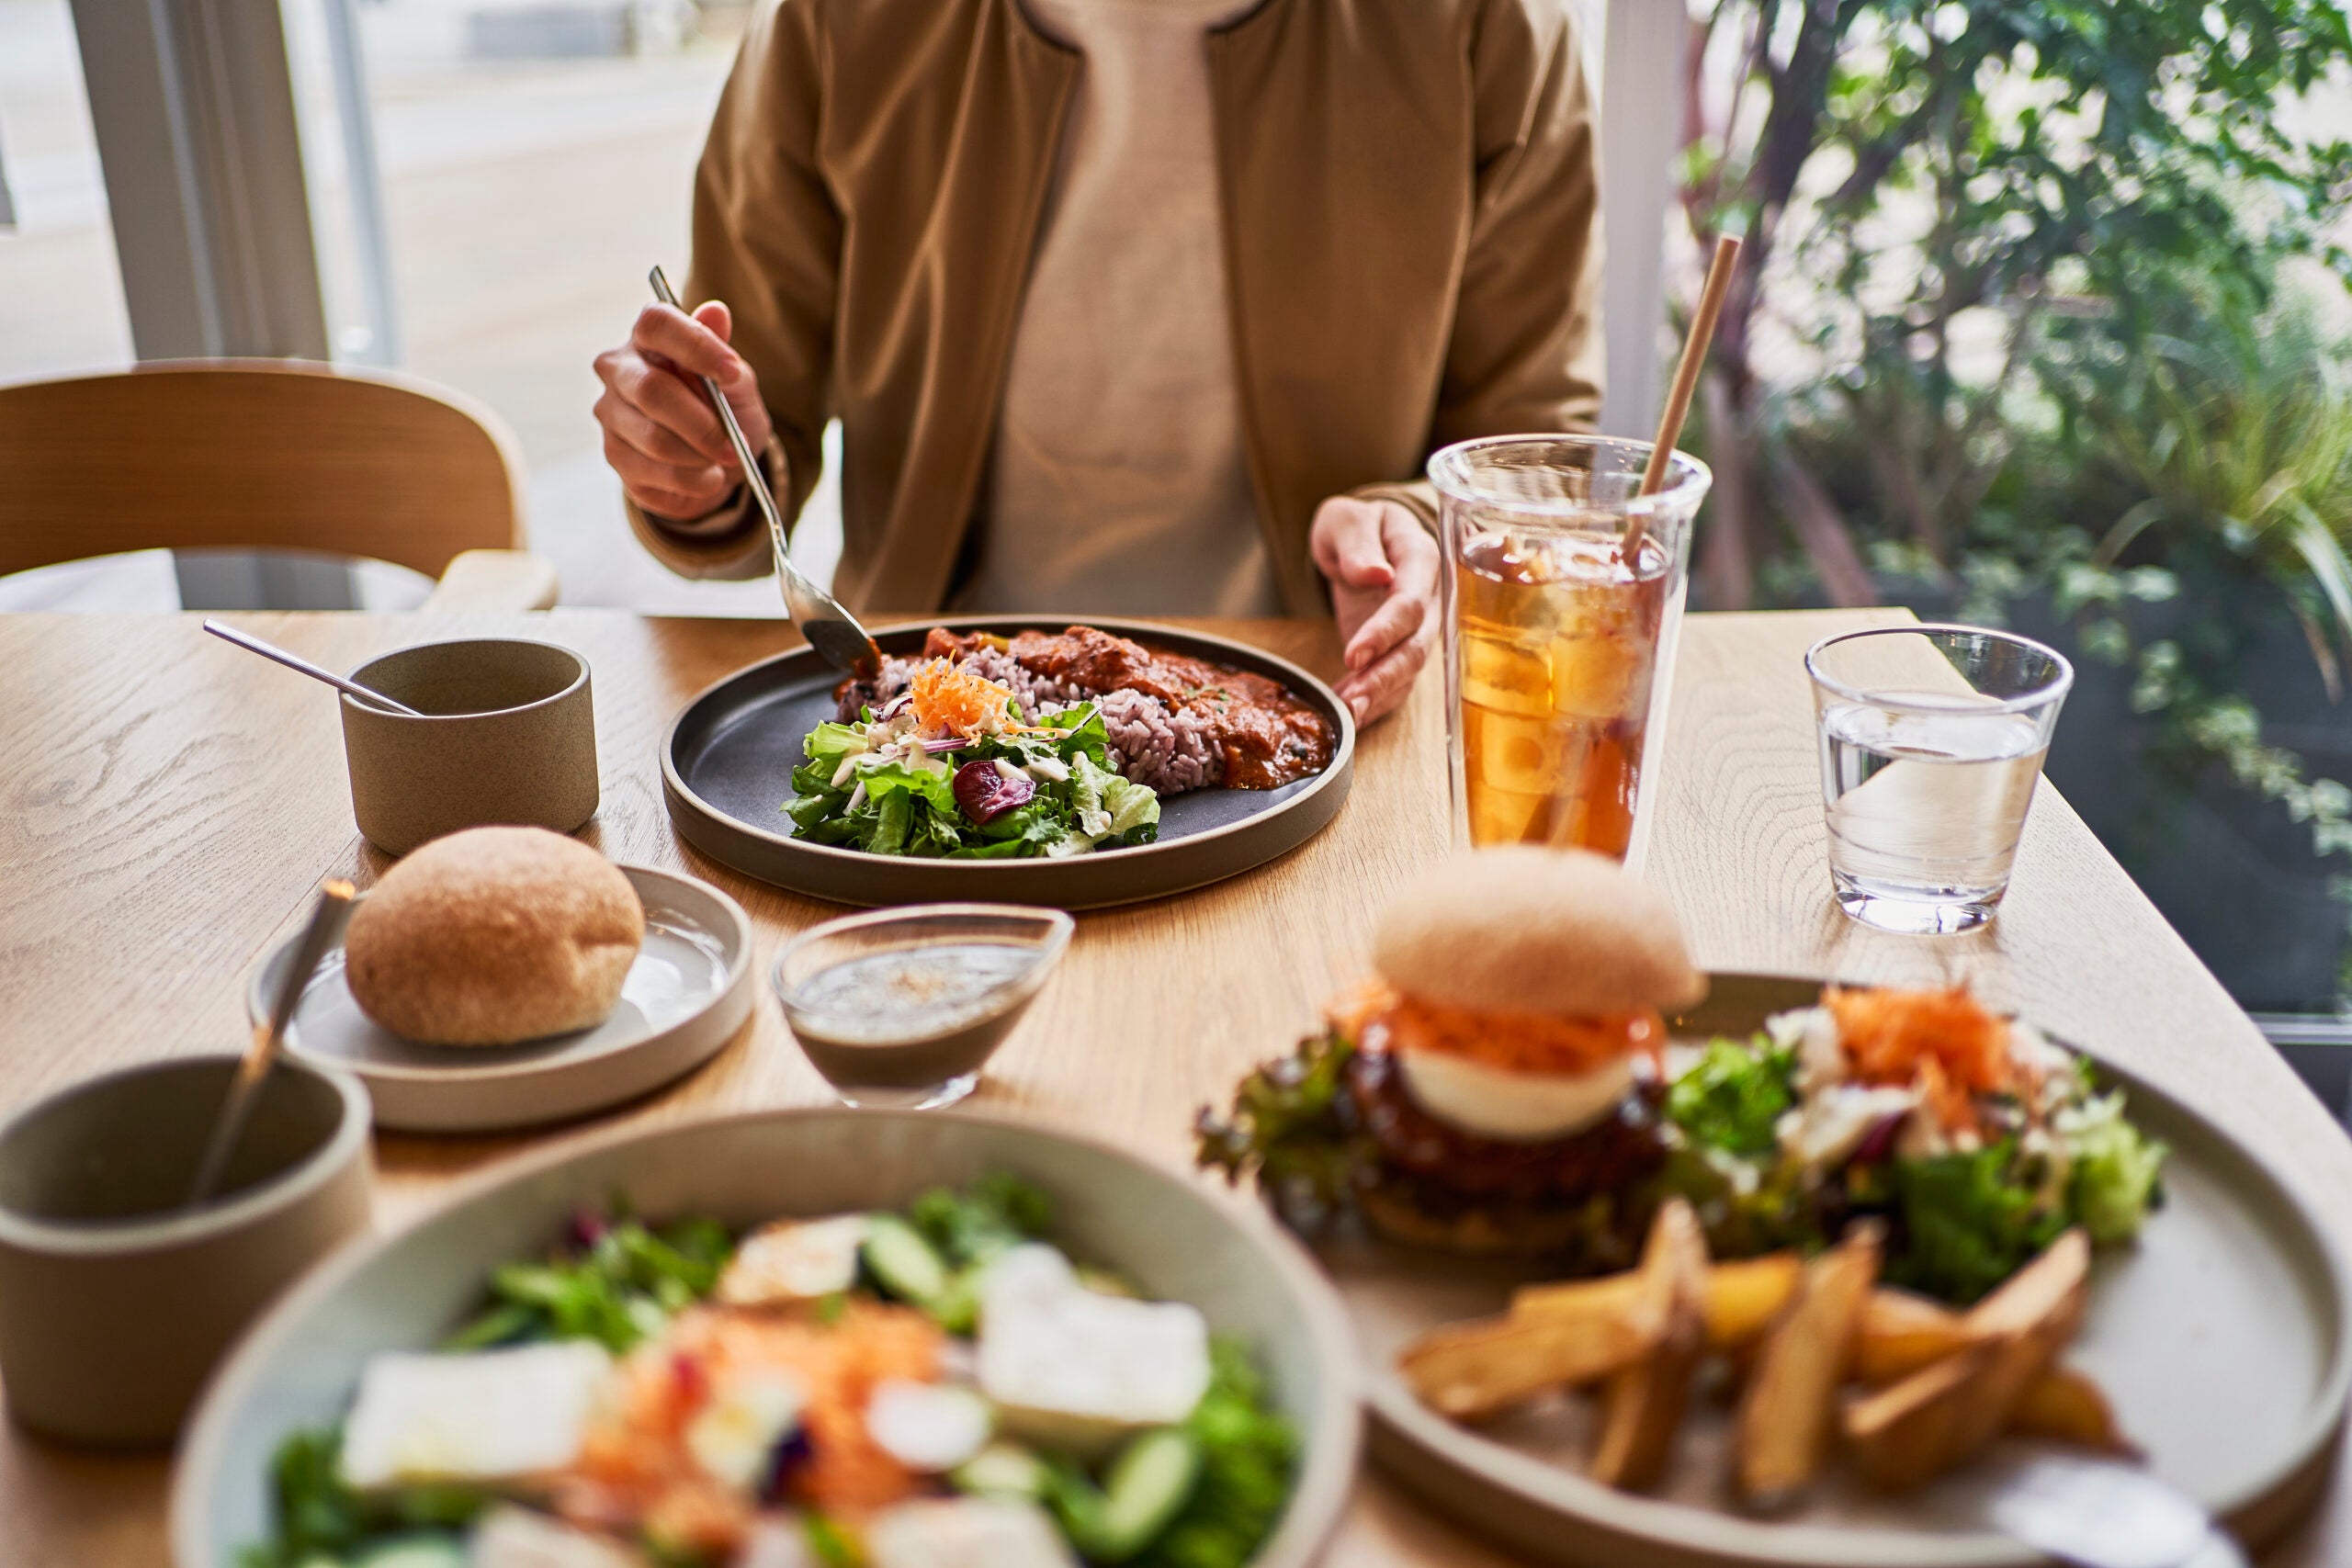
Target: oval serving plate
(727,765)
(688,993)
(2221,1338)
(297,1369)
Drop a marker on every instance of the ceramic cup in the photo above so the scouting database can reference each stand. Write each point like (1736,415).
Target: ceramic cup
(115,1302)
(508,737)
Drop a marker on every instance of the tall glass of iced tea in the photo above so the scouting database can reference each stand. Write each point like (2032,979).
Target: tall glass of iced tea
(1558,646)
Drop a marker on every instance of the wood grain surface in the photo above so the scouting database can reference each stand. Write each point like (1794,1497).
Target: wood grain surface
(166,802)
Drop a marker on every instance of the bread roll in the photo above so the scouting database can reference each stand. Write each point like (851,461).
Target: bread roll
(1531,929)
(493,936)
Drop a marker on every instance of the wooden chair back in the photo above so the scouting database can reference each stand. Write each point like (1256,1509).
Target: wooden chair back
(253,454)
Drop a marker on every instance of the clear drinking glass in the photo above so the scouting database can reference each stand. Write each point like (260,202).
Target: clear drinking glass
(903,1007)
(1558,649)
(1932,738)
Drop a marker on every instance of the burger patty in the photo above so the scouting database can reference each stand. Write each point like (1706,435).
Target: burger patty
(1611,1155)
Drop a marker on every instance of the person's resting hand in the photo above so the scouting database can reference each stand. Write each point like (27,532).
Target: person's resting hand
(1381,565)
(661,433)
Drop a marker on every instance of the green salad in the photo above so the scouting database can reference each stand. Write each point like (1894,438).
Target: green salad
(976,785)
(884,1389)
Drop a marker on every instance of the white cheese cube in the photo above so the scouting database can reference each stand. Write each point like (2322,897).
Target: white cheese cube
(1074,1369)
(509,1537)
(966,1532)
(927,1426)
(794,1261)
(488,1417)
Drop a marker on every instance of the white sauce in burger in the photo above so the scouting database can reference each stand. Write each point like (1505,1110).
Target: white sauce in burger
(1521,1106)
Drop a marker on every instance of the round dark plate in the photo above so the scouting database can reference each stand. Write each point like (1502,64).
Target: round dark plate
(726,767)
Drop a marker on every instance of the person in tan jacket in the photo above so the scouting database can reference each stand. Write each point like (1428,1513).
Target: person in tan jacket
(1125,306)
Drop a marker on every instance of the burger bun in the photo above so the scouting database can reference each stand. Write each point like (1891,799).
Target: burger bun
(1531,929)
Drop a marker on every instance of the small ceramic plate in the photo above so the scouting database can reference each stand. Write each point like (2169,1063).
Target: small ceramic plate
(2221,1336)
(726,767)
(686,995)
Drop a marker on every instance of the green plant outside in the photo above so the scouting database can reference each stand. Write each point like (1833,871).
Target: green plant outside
(2044,300)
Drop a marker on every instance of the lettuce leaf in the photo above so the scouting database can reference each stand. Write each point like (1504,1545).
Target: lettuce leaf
(1970,1220)
(2113,1169)
(1249,1451)
(1733,1097)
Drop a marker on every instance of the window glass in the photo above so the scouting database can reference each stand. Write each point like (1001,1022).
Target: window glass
(61,298)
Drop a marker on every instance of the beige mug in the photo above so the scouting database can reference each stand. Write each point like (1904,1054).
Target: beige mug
(116,1300)
(505,734)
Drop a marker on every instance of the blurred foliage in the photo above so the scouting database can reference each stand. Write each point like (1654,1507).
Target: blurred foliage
(2042,301)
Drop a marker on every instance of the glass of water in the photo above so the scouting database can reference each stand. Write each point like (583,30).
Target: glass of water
(1932,738)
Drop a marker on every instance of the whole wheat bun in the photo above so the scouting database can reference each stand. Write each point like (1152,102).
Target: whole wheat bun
(1531,930)
(493,936)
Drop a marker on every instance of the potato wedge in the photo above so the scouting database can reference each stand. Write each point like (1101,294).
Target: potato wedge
(2065,1406)
(1902,1332)
(1941,1415)
(1743,1297)
(1899,1436)
(1472,1370)
(2030,1319)
(1788,1411)
(1641,1404)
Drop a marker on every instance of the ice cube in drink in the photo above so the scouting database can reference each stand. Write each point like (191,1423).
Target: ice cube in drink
(1558,641)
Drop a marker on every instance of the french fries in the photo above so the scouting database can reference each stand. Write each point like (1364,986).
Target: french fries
(1904,1434)
(1641,1405)
(1938,1384)
(1740,1302)
(1942,1414)
(1473,1371)
(1788,1411)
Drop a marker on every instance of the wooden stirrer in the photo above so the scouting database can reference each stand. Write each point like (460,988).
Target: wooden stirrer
(1686,381)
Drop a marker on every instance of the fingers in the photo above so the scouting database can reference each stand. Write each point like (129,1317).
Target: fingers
(1412,602)
(1380,690)
(689,343)
(668,489)
(666,400)
(630,424)
(1346,541)
(715,315)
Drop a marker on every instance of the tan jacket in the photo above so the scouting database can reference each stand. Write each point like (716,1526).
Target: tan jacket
(1409,200)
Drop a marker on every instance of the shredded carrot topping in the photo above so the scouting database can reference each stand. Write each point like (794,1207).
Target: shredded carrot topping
(1944,1041)
(949,699)
(635,1465)
(1508,1042)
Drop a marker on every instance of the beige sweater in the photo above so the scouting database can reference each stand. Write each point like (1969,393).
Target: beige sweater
(1118,481)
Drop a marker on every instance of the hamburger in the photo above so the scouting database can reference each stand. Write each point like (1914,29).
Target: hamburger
(1494,1087)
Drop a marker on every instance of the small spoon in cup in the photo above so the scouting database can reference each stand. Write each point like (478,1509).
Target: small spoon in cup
(333,908)
(253,643)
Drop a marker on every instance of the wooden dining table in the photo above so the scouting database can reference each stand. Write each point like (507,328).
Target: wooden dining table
(167,803)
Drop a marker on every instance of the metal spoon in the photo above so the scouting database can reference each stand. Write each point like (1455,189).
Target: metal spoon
(253,643)
(2099,1514)
(326,923)
(832,630)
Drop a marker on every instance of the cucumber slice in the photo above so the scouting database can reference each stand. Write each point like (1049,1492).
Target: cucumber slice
(1146,1486)
(1002,1470)
(901,1261)
(956,1308)
(415,1551)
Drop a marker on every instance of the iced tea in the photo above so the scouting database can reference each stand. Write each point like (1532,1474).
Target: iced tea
(1558,642)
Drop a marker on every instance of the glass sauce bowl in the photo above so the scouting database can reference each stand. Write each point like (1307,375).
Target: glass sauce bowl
(902,1008)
